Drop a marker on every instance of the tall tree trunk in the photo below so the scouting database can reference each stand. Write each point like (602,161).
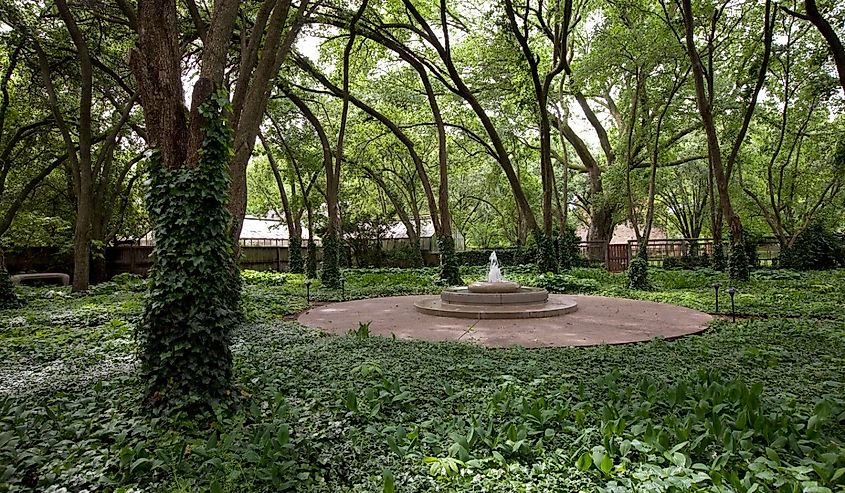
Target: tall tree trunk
(194,298)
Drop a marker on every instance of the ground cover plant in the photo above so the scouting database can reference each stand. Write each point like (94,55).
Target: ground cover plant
(755,405)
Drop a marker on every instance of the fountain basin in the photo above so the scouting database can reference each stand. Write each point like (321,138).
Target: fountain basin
(466,296)
(480,311)
(493,287)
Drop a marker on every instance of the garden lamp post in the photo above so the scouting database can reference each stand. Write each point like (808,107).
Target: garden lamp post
(308,290)
(716,286)
(732,292)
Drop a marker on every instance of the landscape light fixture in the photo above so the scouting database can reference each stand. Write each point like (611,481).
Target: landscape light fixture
(732,292)
(308,290)
(716,286)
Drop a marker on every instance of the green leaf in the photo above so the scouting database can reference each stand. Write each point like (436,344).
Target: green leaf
(389,481)
(584,462)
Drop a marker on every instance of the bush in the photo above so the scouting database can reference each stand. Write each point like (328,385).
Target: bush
(565,283)
(638,271)
(263,278)
(816,248)
(569,255)
(506,256)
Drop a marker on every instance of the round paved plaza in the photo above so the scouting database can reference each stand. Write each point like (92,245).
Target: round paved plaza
(598,320)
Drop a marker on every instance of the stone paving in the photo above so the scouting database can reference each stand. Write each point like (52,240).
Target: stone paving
(599,320)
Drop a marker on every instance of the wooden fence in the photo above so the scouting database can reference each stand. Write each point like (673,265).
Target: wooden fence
(659,250)
(137,259)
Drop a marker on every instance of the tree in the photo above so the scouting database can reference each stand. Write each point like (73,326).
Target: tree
(704,97)
(186,355)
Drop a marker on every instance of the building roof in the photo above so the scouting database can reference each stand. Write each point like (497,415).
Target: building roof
(267,228)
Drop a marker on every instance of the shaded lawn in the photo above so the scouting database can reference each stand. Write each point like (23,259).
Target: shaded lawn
(759,401)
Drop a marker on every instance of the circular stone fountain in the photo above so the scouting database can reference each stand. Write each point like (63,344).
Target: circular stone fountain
(496,298)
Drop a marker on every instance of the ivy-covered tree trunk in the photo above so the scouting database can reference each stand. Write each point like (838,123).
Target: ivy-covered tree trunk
(194,297)
(417,260)
(295,260)
(8,298)
(450,273)
(738,265)
(546,256)
(568,252)
(330,274)
(311,261)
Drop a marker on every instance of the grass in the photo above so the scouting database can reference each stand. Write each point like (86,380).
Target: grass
(752,406)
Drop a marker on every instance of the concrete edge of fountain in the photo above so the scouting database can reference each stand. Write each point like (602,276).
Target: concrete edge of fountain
(551,308)
(463,296)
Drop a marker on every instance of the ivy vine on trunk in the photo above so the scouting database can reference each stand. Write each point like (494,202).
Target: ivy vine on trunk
(330,275)
(450,274)
(194,297)
(295,255)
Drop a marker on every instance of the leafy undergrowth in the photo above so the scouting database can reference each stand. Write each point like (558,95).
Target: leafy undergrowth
(752,406)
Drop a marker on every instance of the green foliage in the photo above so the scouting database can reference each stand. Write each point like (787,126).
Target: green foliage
(546,256)
(638,271)
(569,255)
(263,278)
(449,272)
(758,402)
(330,274)
(194,295)
(817,247)
(719,262)
(738,267)
(296,262)
(506,256)
(565,283)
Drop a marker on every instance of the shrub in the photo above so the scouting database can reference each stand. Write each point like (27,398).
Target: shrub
(816,248)
(506,256)
(638,271)
(565,283)
(263,278)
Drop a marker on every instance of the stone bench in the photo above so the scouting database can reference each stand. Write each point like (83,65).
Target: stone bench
(62,279)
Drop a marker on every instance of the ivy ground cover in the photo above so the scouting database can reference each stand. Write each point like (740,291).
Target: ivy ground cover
(755,405)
